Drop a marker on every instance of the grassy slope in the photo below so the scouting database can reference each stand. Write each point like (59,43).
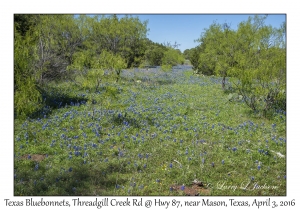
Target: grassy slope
(165,129)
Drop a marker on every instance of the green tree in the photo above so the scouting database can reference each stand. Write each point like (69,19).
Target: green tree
(187,54)
(261,67)
(58,37)
(217,50)
(172,57)
(27,98)
(124,36)
(154,54)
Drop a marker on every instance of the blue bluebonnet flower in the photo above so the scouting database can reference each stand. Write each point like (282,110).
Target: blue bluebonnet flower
(182,187)
(258,167)
(171,165)
(213,164)
(234,149)
(203,160)
(74,189)
(36,167)
(70,169)
(252,178)
(186,151)
(223,162)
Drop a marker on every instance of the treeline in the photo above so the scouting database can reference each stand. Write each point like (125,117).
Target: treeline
(253,56)
(53,47)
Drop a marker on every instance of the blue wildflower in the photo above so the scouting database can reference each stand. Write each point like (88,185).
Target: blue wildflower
(36,167)
(186,151)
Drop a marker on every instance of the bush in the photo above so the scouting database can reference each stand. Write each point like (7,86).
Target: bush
(27,98)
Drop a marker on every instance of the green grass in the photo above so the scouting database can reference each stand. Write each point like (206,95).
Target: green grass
(168,129)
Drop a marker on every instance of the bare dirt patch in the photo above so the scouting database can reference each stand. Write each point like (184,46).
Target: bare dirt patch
(34,157)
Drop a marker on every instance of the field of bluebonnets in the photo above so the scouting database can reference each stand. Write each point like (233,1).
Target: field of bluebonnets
(162,133)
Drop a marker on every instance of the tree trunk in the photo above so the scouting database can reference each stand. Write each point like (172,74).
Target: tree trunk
(223,82)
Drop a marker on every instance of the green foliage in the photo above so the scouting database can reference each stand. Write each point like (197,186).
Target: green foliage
(172,57)
(27,98)
(254,54)
(187,54)
(261,69)
(112,62)
(154,54)
(166,67)
(57,38)
(54,47)
(124,36)
(23,23)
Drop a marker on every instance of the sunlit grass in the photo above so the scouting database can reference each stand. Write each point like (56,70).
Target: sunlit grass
(167,129)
